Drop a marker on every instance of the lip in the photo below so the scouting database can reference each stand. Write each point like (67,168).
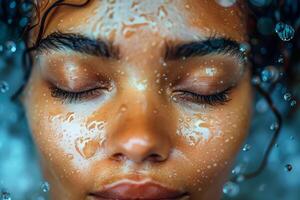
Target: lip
(142,190)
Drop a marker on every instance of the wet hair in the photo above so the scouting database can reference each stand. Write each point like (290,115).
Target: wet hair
(274,40)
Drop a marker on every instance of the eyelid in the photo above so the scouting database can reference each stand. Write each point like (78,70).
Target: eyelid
(219,98)
(71,97)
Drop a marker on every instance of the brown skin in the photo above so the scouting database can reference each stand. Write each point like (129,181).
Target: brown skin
(139,128)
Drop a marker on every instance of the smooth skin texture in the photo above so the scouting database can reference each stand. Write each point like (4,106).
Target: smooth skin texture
(135,124)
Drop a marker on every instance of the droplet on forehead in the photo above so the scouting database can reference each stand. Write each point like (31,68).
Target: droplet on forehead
(226,3)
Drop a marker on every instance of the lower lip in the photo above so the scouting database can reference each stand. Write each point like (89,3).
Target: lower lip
(184,197)
(141,191)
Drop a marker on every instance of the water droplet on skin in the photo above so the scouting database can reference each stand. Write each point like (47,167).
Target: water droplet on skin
(162,12)
(231,189)
(4,87)
(287,96)
(86,147)
(288,167)
(69,117)
(123,108)
(284,31)
(226,3)
(246,147)
(45,187)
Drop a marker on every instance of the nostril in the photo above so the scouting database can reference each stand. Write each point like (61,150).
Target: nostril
(155,158)
(118,157)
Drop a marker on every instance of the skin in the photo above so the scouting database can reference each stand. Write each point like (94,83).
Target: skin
(139,128)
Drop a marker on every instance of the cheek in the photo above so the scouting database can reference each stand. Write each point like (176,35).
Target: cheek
(68,139)
(212,138)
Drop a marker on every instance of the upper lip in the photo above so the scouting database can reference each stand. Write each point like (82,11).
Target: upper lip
(142,190)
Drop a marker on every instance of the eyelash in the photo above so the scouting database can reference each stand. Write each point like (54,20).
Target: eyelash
(215,99)
(72,97)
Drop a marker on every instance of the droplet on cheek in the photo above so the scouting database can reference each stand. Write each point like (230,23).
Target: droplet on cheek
(70,117)
(86,147)
(194,129)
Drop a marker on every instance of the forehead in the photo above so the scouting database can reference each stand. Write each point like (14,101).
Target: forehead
(176,20)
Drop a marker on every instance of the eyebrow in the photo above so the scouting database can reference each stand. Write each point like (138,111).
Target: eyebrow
(210,46)
(78,43)
(96,47)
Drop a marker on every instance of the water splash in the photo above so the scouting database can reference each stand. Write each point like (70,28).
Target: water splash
(284,31)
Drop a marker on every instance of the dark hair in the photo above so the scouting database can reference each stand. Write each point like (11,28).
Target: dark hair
(271,49)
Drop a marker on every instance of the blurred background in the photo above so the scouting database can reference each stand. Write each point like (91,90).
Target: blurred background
(275,45)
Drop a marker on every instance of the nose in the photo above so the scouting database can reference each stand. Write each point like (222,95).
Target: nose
(139,136)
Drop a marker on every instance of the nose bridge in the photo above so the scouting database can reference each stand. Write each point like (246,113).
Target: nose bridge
(135,133)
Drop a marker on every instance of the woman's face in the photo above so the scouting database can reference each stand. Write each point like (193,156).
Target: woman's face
(139,98)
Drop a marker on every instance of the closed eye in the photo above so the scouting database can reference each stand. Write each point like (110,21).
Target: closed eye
(214,99)
(74,97)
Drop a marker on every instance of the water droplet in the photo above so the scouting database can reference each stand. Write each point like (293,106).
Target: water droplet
(240,178)
(280,59)
(244,47)
(246,147)
(174,99)
(293,103)
(284,31)
(255,80)
(231,189)
(11,46)
(86,147)
(287,96)
(45,186)
(274,126)
(239,169)
(288,167)
(269,74)
(5,196)
(4,86)
(262,187)
(226,3)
